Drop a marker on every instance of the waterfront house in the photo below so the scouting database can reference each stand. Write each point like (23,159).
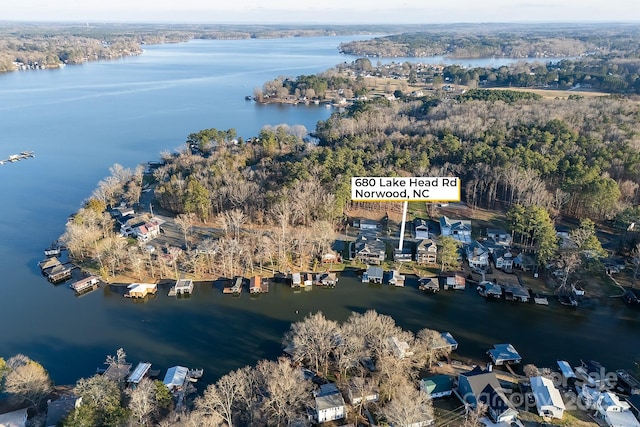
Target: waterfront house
(420,229)
(175,378)
(437,386)
(58,409)
(362,390)
(454,281)
(504,353)
(330,405)
(459,229)
(429,284)
(482,386)
(502,259)
(399,348)
(147,231)
(373,274)
(402,255)
(426,252)
(477,255)
(122,211)
(328,279)
(609,408)
(524,262)
(141,290)
(16,418)
(330,257)
(548,399)
(370,250)
(397,279)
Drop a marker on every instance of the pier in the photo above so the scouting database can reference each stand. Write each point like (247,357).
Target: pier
(236,288)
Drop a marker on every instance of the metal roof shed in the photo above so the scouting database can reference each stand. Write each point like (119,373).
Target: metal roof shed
(139,372)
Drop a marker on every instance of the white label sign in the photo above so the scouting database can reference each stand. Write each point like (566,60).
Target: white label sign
(400,189)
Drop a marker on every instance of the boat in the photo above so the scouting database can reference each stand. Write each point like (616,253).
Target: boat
(53,250)
(577,290)
(540,299)
(195,374)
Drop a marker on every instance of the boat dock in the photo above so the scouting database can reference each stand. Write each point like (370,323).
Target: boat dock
(86,284)
(17,157)
(236,288)
(182,287)
(141,290)
(55,271)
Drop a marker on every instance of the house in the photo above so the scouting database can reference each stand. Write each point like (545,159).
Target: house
(330,257)
(524,262)
(122,211)
(330,405)
(16,418)
(370,250)
(402,255)
(420,229)
(141,370)
(147,231)
(459,229)
(175,378)
(502,259)
(454,281)
(437,386)
(373,274)
(428,284)
(477,255)
(58,409)
(504,353)
(609,408)
(141,290)
(482,386)
(396,279)
(548,399)
(426,252)
(399,348)
(499,236)
(361,390)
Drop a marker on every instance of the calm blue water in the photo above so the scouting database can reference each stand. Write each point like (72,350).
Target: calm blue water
(80,120)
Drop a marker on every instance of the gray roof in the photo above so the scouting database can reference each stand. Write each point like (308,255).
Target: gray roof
(329,401)
(59,409)
(373,271)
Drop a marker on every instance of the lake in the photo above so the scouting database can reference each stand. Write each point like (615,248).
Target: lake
(80,120)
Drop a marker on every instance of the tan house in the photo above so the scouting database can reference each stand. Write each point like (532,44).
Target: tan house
(426,252)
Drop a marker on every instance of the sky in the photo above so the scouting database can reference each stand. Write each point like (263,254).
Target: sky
(321,11)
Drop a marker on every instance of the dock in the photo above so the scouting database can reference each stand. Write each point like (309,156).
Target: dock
(55,271)
(17,157)
(141,290)
(87,284)
(236,288)
(182,287)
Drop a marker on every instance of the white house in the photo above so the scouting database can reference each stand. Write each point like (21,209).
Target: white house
(361,390)
(330,404)
(420,229)
(548,399)
(609,408)
(459,229)
(14,419)
(477,255)
(399,348)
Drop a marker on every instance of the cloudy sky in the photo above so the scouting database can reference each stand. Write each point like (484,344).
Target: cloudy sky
(322,11)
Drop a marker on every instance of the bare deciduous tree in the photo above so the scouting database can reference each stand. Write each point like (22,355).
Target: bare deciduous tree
(408,407)
(142,401)
(313,339)
(27,379)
